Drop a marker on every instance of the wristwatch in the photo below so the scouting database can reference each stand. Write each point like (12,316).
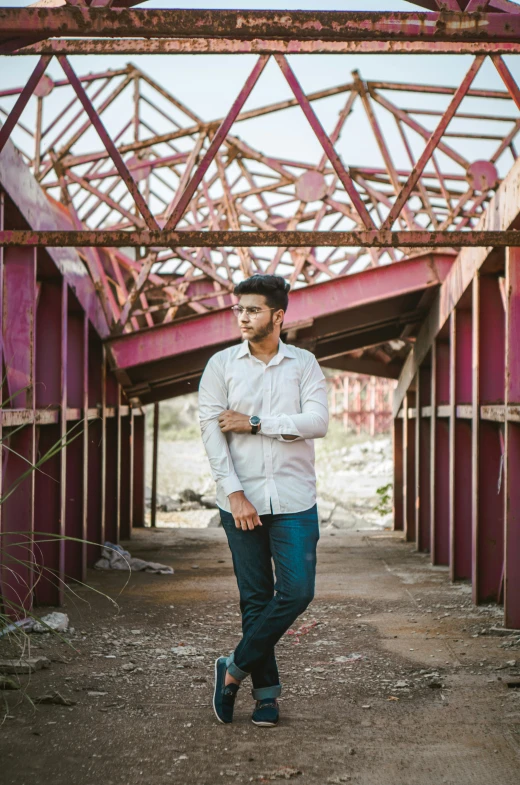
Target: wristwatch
(254,422)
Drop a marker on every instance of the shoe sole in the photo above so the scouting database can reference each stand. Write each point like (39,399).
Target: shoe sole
(265,724)
(215,695)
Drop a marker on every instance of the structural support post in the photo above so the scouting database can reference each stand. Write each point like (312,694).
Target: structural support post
(409,467)
(155,460)
(139,465)
(512,443)
(460,493)
(398,473)
(440,541)
(423,459)
(487,485)
(18,328)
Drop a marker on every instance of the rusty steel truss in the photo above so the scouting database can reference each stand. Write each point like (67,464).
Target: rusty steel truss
(189,197)
(127,219)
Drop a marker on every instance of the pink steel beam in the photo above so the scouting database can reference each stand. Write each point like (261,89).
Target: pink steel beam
(173,46)
(247,25)
(217,141)
(109,144)
(300,239)
(325,141)
(432,143)
(23,99)
(507,78)
(218,327)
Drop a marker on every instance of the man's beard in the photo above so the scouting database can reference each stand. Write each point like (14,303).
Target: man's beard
(263,332)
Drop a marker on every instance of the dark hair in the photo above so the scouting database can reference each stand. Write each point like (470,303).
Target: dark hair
(274,288)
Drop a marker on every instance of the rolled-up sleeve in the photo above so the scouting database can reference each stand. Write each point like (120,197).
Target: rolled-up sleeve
(313,420)
(212,402)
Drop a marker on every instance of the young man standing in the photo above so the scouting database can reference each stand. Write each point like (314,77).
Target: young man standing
(261,404)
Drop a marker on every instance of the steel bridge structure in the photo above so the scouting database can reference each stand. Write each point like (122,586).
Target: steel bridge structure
(127,218)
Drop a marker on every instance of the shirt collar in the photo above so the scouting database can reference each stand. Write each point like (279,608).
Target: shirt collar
(284,350)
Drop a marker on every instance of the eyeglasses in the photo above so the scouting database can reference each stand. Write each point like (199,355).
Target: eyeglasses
(252,312)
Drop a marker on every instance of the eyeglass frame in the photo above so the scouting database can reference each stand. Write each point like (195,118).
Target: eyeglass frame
(238,310)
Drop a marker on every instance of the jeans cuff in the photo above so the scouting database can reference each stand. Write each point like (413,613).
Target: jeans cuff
(267,692)
(234,670)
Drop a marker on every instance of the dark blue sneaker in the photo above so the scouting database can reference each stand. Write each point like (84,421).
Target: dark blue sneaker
(223,696)
(266,713)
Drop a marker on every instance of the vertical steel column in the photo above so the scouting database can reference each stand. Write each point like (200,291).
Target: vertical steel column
(113,458)
(125,491)
(95,502)
(18,326)
(85,448)
(409,466)
(398,451)
(512,443)
(487,487)
(74,551)
(103,442)
(440,474)
(155,458)
(51,393)
(460,493)
(423,459)
(139,474)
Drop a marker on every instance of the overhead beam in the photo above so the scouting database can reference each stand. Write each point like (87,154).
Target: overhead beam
(242,239)
(85,22)
(230,46)
(502,213)
(171,340)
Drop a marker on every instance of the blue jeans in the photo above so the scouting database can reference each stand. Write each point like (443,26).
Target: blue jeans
(269,608)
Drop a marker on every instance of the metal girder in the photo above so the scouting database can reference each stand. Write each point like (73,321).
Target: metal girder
(196,239)
(246,25)
(229,46)
(219,327)
(502,213)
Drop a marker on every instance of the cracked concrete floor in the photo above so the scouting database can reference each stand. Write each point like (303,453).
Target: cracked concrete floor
(398,683)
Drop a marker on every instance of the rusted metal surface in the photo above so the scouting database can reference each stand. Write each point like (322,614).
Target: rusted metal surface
(197,239)
(172,46)
(244,25)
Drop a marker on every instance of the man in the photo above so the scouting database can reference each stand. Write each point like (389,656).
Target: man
(261,404)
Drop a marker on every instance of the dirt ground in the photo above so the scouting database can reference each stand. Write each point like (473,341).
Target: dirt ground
(398,683)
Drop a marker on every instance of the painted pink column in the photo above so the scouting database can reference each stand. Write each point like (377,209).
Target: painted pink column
(125,529)
(95,500)
(139,443)
(409,468)
(51,394)
(440,530)
(460,444)
(487,485)
(512,444)
(112,463)
(18,325)
(398,473)
(74,512)
(423,460)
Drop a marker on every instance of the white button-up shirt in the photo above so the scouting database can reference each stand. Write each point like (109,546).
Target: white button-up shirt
(289,395)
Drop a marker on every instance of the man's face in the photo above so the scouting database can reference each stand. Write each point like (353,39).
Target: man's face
(256,328)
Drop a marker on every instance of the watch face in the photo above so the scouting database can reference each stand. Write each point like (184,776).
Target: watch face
(254,420)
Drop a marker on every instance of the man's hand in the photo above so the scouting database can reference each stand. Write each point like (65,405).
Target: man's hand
(245,515)
(234,422)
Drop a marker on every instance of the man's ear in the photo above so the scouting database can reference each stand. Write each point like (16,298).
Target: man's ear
(279,316)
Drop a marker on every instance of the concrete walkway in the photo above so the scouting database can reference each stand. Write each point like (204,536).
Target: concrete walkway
(398,683)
